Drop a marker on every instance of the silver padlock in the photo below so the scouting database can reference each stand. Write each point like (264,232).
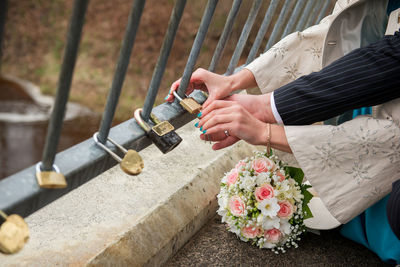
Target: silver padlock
(132,163)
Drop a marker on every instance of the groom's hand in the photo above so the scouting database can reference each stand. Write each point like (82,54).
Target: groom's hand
(258,105)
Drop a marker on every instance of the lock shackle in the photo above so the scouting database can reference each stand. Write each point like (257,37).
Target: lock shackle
(115,156)
(178,96)
(39,167)
(140,120)
(3,215)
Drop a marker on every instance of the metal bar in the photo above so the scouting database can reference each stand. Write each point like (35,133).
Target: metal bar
(311,18)
(305,15)
(121,68)
(20,193)
(3,17)
(225,35)
(323,11)
(198,41)
(262,31)
(64,83)
(278,25)
(244,36)
(293,18)
(163,58)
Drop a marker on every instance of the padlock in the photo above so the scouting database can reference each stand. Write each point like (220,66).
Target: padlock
(50,179)
(188,103)
(132,163)
(162,133)
(14,233)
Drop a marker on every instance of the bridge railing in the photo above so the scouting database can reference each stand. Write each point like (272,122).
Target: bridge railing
(20,193)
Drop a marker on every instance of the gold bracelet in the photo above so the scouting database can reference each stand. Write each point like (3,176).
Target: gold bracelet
(268,139)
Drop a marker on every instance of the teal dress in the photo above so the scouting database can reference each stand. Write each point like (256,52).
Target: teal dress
(371,228)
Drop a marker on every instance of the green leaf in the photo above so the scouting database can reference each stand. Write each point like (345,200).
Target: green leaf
(296,173)
(307,213)
(307,197)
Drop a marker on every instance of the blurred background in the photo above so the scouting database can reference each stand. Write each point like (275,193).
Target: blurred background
(33,44)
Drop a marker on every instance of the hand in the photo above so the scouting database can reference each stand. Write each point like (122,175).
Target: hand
(258,105)
(217,86)
(229,116)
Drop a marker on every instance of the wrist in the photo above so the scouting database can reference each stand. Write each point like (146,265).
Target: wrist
(265,107)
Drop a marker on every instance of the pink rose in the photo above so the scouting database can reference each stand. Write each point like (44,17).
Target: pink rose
(240,165)
(282,177)
(273,235)
(263,165)
(232,177)
(236,206)
(251,231)
(286,210)
(265,191)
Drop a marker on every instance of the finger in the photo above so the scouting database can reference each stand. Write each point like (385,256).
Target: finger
(230,140)
(175,85)
(214,137)
(221,116)
(221,128)
(217,104)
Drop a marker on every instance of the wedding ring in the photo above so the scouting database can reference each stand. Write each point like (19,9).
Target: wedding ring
(226,133)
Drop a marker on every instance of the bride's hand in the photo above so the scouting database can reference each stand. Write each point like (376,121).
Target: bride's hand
(221,116)
(227,121)
(216,85)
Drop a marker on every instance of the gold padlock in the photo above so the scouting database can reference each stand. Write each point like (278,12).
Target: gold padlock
(132,163)
(14,233)
(50,179)
(188,103)
(161,127)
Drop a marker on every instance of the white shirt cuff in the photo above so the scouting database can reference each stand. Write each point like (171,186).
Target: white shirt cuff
(274,110)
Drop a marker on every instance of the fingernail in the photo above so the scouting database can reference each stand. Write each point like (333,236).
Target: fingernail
(204,131)
(199,115)
(201,128)
(166,97)
(196,125)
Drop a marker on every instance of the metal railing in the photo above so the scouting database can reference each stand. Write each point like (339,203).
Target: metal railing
(20,193)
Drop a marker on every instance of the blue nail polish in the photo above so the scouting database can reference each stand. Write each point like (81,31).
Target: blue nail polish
(204,131)
(201,128)
(196,125)
(199,115)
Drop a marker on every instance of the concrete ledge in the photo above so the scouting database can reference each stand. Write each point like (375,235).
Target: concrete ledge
(120,220)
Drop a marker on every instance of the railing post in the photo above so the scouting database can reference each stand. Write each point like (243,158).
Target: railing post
(323,10)
(198,41)
(64,83)
(262,31)
(314,14)
(3,16)
(163,58)
(244,36)
(225,35)
(304,16)
(121,68)
(279,24)
(293,18)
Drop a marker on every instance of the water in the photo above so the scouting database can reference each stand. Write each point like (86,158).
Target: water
(23,128)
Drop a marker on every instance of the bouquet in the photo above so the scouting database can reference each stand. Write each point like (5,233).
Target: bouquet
(263,201)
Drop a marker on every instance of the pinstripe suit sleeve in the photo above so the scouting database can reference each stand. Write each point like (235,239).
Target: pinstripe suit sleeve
(367,76)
